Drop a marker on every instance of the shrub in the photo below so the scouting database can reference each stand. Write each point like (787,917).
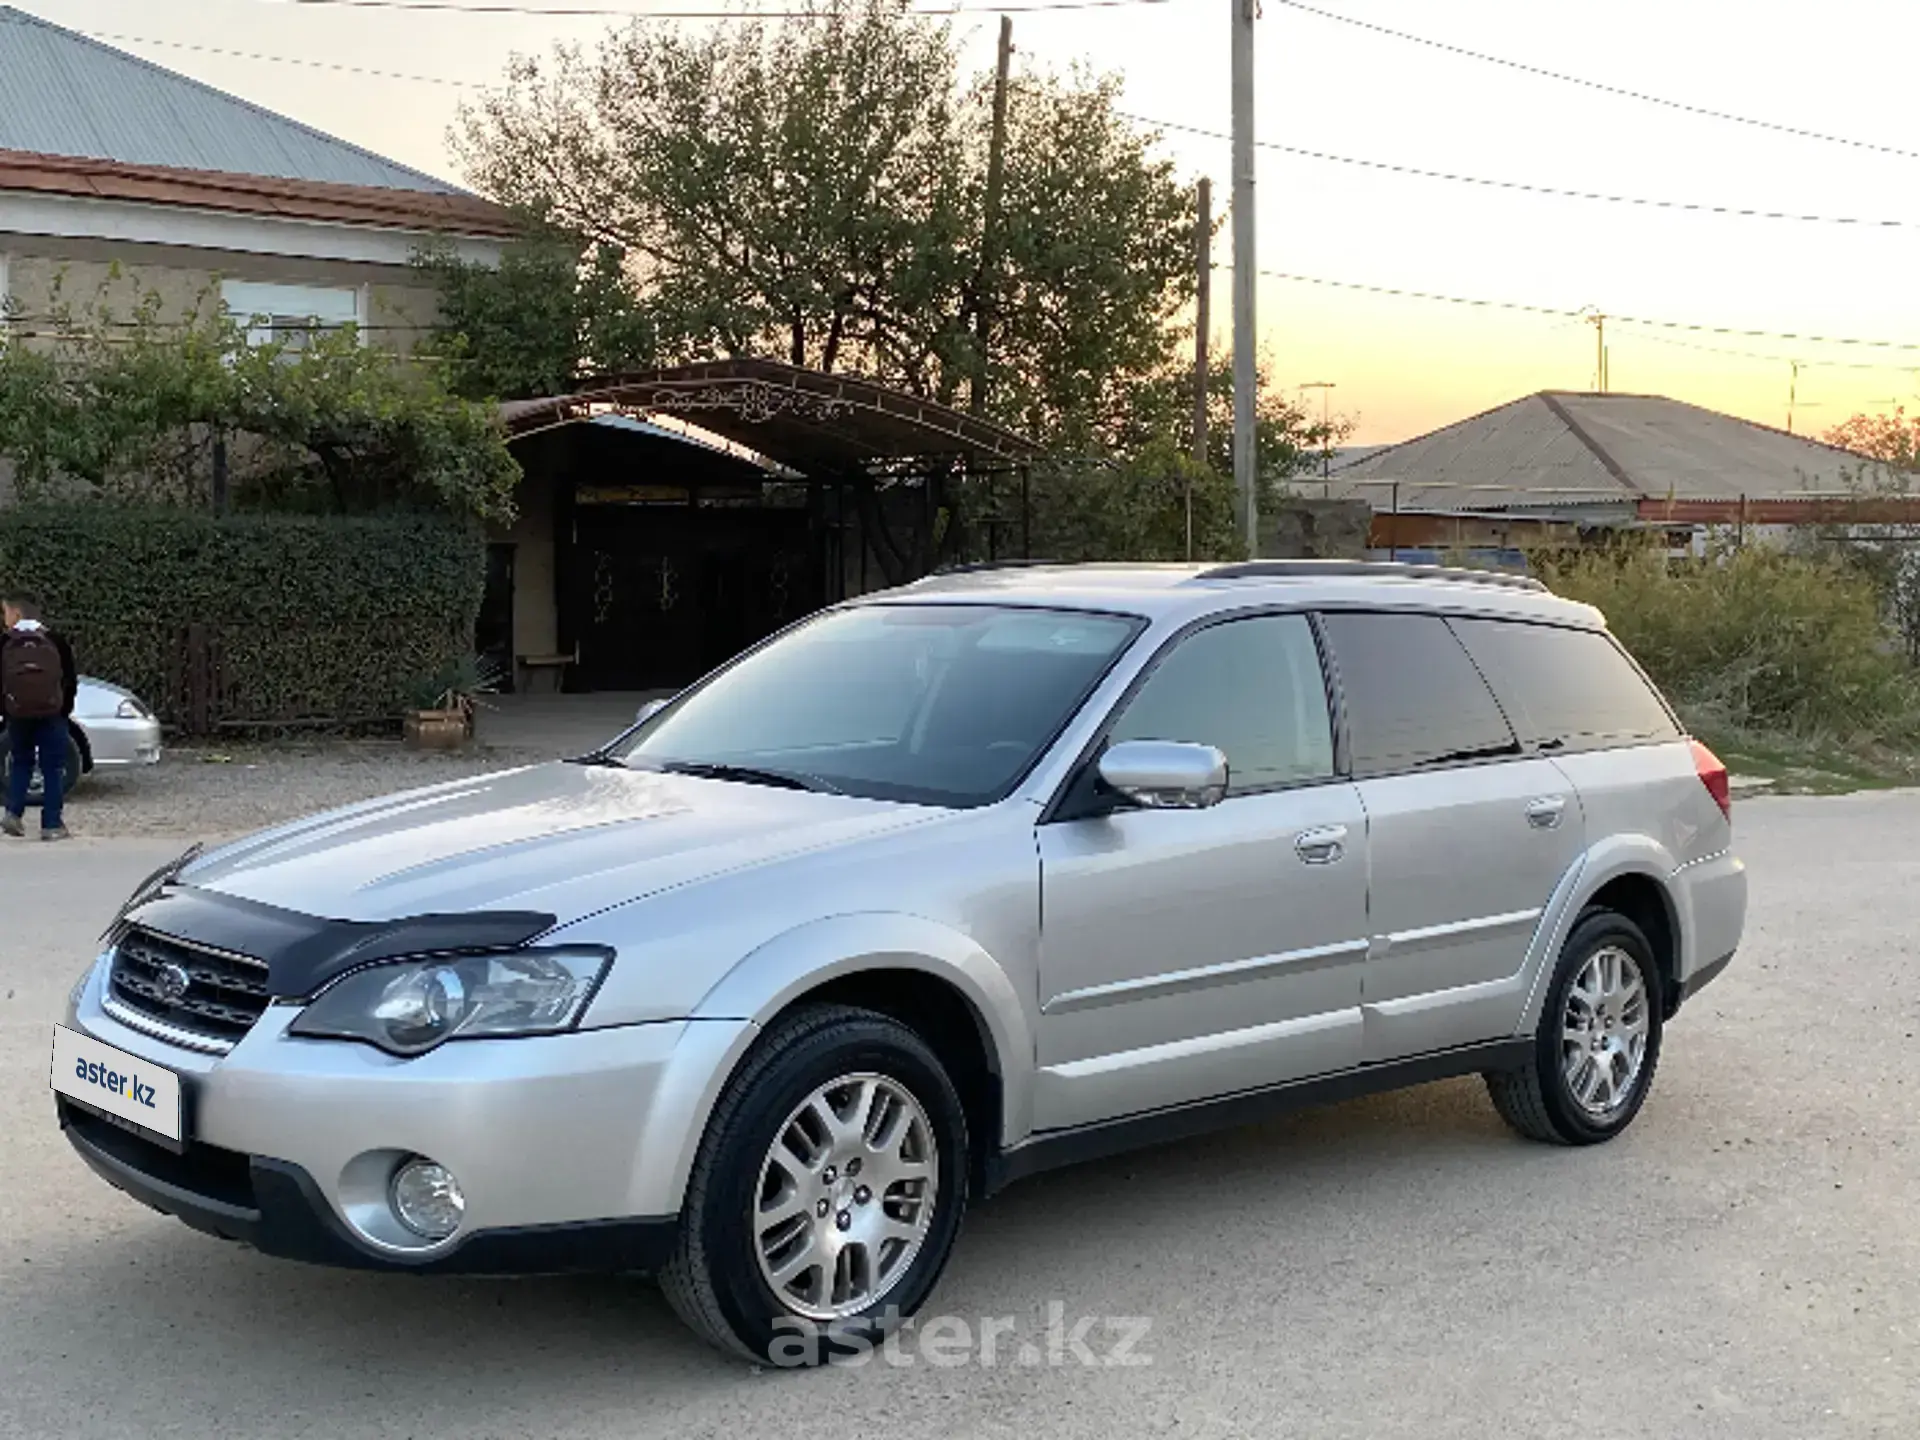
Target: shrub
(297,620)
(1755,639)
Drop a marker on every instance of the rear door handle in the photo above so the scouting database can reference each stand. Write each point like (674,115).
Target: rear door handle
(1545,813)
(1322,846)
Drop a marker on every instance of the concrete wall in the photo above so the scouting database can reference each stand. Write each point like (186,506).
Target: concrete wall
(42,271)
(1299,529)
(536,611)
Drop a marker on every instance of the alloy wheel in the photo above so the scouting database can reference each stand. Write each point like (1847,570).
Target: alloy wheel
(1604,1032)
(845,1197)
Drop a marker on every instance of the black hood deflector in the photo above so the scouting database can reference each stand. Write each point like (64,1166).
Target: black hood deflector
(304,952)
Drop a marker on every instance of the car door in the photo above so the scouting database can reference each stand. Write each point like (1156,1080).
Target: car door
(1192,953)
(1467,834)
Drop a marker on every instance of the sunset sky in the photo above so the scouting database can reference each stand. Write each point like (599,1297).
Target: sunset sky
(1401,365)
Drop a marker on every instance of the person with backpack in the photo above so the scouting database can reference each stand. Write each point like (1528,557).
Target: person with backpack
(38,683)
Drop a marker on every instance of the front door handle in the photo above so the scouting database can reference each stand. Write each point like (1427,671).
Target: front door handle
(1545,813)
(1322,846)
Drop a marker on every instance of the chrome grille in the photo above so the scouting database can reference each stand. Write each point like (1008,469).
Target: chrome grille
(224,993)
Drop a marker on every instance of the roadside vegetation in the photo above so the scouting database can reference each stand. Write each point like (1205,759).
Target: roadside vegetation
(1789,664)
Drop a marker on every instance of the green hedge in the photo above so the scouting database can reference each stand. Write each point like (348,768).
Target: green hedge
(266,619)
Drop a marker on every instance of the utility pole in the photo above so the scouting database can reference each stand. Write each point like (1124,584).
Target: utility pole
(1599,323)
(1793,392)
(1326,428)
(990,221)
(1244,274)
(1203,314)
(1202,324)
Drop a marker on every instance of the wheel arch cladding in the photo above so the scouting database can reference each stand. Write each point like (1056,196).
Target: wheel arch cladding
(1642,899)
(936,980)
(940,1014)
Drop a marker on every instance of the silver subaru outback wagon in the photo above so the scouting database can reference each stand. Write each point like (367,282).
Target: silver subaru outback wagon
(931,891)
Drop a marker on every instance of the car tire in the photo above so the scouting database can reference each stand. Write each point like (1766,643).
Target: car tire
(768,1146)
(1598,1042)
(74,773)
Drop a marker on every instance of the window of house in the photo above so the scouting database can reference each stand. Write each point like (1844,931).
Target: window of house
(290,314)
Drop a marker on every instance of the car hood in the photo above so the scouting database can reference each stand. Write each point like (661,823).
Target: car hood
(561,839)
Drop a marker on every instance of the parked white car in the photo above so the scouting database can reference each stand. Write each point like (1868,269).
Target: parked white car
(112,729)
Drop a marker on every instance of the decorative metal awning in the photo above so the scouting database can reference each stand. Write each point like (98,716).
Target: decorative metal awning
(823,426)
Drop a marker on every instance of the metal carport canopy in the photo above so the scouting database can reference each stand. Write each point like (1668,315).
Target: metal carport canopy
(831,426)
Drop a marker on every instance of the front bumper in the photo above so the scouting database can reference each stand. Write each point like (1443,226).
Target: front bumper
(572,1150)
(277,1208)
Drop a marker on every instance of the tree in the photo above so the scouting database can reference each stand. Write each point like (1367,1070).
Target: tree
(1893,440)
(1286,438)
(138,409)
(812,187)
(1883,552)
(554,308)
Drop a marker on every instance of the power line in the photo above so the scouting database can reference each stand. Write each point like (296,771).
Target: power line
(282,60)
(1389,167)
(1691,206)
(1559,312)
(507,7)
(1605,89)
(1882,365)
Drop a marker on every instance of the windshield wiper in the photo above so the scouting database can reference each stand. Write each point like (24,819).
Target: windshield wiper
(748,775)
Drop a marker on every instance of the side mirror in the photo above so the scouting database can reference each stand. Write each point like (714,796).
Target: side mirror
(1166,774)
(649,710)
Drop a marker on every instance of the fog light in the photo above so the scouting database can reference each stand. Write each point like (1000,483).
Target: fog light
(428,1199)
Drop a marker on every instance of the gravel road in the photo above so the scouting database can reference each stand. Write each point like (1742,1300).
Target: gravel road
(1744,1263)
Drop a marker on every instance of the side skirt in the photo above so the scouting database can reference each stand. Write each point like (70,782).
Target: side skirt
(1052,1149)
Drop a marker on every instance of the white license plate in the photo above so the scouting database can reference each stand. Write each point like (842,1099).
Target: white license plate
(109,1079)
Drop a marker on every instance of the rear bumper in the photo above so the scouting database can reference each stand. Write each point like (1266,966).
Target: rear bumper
(1700,979)
(1712,894)
(116,744)
(275,1207)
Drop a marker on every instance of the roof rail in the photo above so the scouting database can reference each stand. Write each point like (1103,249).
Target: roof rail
(1367,569)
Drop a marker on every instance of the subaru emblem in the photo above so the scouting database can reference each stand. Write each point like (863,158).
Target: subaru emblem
(172,983)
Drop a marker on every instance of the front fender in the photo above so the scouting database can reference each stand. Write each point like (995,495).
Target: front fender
(806,957)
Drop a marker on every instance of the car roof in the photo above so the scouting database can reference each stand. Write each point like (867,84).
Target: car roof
(1183,592)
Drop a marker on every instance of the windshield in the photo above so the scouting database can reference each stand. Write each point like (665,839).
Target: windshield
(934,704)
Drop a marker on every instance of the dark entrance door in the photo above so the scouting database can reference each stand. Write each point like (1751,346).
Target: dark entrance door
(659,595)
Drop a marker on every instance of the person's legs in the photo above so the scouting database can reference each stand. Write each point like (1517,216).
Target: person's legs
(20,746)
(52,738)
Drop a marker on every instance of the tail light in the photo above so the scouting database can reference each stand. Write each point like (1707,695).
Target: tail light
(1713,775)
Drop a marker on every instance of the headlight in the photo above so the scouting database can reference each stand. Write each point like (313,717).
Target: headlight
(130,709)
(408,1008)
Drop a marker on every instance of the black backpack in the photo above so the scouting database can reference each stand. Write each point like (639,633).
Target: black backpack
(33,682)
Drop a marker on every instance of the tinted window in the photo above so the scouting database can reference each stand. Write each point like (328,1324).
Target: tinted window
(1412,696)
(1251,688)
(1570,686)
(941,704)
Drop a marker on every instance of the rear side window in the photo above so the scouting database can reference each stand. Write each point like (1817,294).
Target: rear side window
(1412,696)
(1569,688)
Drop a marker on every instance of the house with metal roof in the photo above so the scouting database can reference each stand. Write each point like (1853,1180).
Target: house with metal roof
(120,178)
(1560,462)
